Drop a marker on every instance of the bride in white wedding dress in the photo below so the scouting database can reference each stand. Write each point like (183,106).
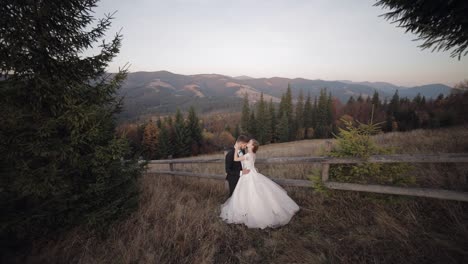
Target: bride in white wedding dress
(257,201)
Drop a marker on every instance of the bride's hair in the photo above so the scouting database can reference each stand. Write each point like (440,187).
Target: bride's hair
(256,145)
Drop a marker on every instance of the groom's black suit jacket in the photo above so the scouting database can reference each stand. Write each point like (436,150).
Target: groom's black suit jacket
(233,169)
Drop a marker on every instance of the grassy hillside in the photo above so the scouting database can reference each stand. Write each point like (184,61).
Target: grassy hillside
(178,222)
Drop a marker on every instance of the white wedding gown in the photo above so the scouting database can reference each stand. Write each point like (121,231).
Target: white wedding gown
(257,201)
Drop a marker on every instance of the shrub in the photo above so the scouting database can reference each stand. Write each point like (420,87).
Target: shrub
(356,142)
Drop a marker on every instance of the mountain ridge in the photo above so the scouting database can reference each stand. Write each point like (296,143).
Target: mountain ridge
(164,91)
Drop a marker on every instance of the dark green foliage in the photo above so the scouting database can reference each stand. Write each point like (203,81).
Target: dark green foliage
(441,24)
(195,131)
(323,127)
(165,143)
(283,128)
(356,142)
(62,163)
(299,116)
(330,116)
(375,99)
(308,116)
(244,123)
(263,122)
(182,140)
(273,120)
(286,108)
(252,127)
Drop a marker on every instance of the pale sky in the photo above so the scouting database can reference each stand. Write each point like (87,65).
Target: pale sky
(321,39)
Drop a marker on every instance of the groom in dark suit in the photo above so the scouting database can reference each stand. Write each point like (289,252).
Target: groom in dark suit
(233,168)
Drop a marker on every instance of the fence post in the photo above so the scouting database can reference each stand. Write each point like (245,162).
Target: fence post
(328,146)
(325,168)
(171,166)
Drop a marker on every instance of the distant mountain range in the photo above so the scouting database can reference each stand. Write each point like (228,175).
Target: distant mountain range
(163,91)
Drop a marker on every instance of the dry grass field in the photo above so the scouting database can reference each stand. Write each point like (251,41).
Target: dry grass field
(177,221)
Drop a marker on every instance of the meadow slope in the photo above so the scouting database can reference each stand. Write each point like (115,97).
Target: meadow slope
(177,221)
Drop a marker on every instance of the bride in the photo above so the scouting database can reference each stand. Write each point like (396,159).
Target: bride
(257,201)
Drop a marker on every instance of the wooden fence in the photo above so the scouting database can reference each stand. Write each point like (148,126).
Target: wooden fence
(327,161)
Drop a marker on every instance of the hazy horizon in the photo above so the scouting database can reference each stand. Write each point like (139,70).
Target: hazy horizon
(325,40)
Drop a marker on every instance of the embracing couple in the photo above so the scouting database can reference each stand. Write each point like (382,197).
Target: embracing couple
(254,199)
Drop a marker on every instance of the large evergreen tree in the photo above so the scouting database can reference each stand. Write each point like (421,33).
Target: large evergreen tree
(195,131)
(283,128)
(182,140)
(330,114)
(164,142)
(273,120)
(441,24)
(252,127)
(62,163)
(286,107)
(324,115)
(375,99)
(308,115)
(244,124)
(262,122)
(299,116)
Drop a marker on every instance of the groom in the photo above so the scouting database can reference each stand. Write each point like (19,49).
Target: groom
(233,168)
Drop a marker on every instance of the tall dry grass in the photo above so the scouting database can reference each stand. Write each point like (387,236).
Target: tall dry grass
(177,222)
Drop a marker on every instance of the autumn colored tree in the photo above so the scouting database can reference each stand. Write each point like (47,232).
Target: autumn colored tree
(150,141)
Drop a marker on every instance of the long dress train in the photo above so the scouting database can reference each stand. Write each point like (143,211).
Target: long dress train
(257,201)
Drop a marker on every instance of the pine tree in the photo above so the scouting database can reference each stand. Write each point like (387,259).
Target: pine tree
(252,127)
(262,122)
(286,107)
(273,120)
(308,116)
(195,131)
(330,115)
(150,141)
(314,115)
(182,138)
(244,125)
(299,116)
(283,128)
(394,105)
(429,21)
(62,163)
(392,111)
(376,99)
(322,129)
(164,142)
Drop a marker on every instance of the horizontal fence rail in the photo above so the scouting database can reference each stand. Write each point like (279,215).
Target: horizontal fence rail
(327,161)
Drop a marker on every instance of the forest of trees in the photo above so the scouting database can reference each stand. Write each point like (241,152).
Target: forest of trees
(292,119)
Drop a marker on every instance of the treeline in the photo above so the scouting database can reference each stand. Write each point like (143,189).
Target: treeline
(322,116)
(176,136)
(289,121)
(303,118)
(403,114)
